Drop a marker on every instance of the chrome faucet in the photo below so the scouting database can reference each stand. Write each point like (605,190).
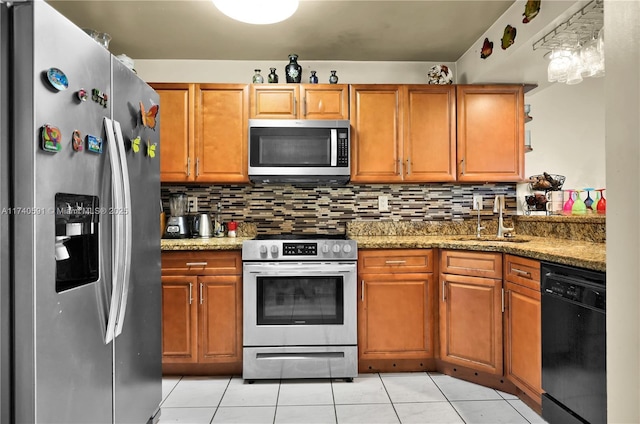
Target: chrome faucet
(498,206)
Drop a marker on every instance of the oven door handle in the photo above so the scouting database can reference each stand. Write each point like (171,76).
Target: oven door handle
(296,269)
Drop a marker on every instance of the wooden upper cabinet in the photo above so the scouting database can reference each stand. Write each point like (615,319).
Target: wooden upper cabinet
(324,101)
(403,133)
(299,101)
(376,137)
(490,132)
(221,133)
(176,131)
(429,133)
(269,101)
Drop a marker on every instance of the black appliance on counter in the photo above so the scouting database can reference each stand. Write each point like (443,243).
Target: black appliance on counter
(573,345)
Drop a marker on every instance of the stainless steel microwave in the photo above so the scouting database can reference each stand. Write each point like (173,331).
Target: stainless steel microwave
(292,151)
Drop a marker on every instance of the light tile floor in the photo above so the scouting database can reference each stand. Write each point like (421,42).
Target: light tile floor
(405,398)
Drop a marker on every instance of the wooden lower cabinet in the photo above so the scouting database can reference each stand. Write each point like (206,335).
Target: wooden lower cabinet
(396,310)
(202,312)
(179,319)
(471,312)
(522,329)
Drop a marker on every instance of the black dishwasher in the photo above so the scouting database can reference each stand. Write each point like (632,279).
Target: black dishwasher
(574,356)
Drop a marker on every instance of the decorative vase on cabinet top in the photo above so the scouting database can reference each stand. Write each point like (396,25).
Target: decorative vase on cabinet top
(272,77)
(333,78)
(257,78)
(313,79)
(293,70)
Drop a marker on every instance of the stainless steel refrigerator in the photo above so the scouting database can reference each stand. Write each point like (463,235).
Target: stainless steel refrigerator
(80,305)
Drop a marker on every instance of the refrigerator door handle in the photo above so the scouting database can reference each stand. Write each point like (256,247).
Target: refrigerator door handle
(127,231)
(117,230)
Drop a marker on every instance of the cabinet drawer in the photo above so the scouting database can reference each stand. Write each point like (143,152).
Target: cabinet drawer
(478,264)
(202,263)
(523,271)
(395,261)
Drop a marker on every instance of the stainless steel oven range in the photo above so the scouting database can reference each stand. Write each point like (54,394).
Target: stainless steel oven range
(299,300)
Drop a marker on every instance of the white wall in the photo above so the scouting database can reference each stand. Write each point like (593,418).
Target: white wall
(568,134)
(241,72)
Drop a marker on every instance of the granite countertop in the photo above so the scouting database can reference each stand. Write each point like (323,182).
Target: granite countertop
(569,252)
(213,243)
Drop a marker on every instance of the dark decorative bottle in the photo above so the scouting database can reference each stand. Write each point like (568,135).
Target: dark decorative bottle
(333,78)
(272,77)
(313,79)
(293,70)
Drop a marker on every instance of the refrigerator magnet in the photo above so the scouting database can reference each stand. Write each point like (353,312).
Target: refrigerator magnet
(151,149)
(82,95)
(50,137)
(94,144)
(57,79)
(135,144)
(76,141)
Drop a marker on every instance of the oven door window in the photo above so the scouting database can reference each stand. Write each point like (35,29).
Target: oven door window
(300,300)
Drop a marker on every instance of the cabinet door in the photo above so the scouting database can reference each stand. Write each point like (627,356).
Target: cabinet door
(522,338)
(274,101)
(471,322)
(490,132)
(176,134)
(376,112)
(395,316)
(429,133)
(221,133)
(179,319)
(220,300)
(325,101)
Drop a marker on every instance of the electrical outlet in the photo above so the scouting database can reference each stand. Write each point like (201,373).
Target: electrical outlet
(192,204)
(477,202)
(383,203)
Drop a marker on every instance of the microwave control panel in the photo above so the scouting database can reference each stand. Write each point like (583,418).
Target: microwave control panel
(343,149)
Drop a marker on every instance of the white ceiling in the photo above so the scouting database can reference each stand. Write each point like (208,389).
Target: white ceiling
(357,30)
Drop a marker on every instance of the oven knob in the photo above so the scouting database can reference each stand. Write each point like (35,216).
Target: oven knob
(346,248)
(263,250)
(325,249)
(274,251)
(336,248)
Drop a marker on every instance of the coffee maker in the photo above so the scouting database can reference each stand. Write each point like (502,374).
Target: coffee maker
(177,225)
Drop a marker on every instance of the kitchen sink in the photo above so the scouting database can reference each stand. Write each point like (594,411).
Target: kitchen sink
(513,239)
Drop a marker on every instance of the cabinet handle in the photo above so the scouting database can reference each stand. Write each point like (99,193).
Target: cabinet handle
(304,106)
(462,166)
(502,300)
(188,167)
(409,166)
(196,264)
(362,290)
(295,106)
(190,293)
(201,284)
(395,262)
(444,299)
(521,272)
(197,167)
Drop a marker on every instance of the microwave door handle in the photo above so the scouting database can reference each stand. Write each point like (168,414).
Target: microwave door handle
(334,147)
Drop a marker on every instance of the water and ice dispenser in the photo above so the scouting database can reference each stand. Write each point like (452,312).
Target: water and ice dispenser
(76,242)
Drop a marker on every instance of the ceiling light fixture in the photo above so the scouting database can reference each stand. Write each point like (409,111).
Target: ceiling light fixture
(257,11)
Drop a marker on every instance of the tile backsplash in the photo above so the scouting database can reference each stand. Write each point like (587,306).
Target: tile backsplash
(326,210)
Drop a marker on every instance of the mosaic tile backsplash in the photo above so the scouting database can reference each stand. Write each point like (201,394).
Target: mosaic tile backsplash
(276,209)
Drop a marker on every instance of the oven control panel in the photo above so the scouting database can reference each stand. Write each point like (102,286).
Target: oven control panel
(299,249)
(280,250)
